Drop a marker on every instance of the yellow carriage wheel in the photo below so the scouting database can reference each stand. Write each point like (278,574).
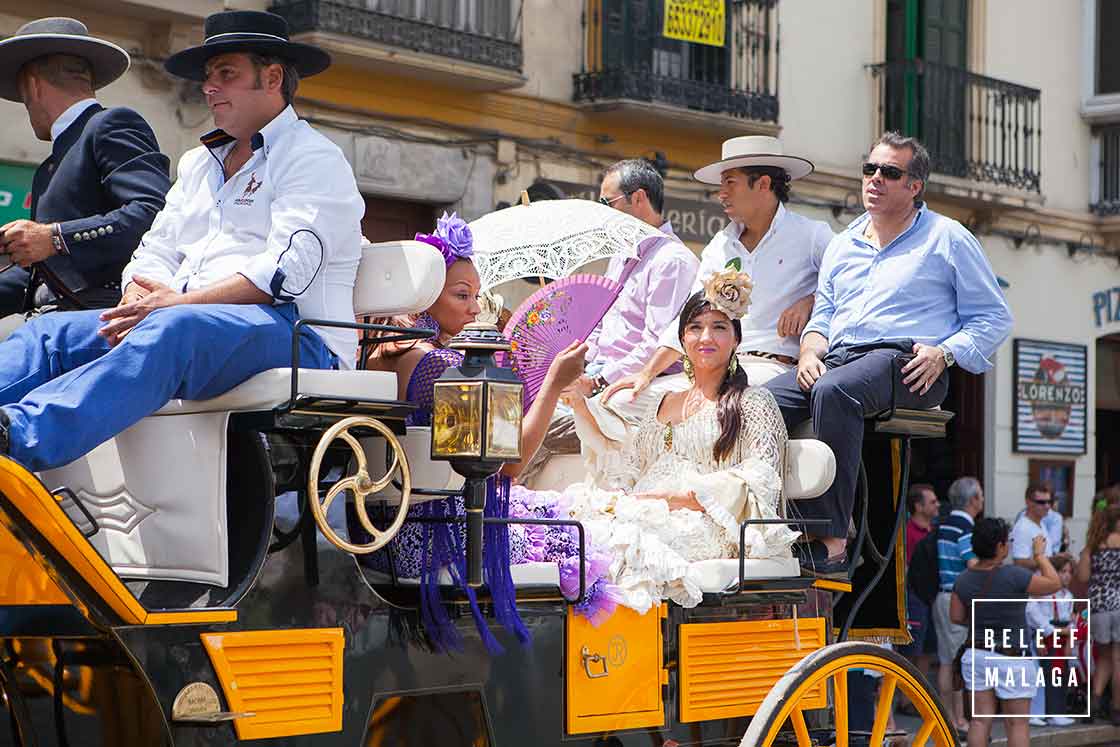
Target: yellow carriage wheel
(781,719)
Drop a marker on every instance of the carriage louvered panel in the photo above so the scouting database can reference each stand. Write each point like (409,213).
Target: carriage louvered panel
(727,668)
(290,680)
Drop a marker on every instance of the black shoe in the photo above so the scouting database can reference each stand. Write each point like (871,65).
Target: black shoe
(1101,712)
(4,423)
(814,559)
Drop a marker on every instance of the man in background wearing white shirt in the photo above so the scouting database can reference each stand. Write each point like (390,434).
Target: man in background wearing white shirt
(261,227)
(780,249)
(1030,525)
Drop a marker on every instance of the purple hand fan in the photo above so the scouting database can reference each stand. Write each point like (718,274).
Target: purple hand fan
(548,321)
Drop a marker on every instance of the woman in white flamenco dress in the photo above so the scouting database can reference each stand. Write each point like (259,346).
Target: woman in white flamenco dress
(700,463)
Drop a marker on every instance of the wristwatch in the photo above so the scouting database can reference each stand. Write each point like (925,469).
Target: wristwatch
(57,242)
(947,354)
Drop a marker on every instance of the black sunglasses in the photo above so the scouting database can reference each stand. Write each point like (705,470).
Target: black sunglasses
(892,173)
(611,201)
(1042,501)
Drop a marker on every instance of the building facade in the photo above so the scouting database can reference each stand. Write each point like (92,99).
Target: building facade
(463,104)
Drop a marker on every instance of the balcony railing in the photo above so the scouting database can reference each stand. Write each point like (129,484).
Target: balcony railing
(628,58)
(486,32)
(975,127)
(1108,182)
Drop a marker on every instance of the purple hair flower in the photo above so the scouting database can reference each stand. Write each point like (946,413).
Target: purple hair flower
(452,237)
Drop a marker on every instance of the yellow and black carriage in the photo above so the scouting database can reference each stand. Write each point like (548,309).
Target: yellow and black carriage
(158,592)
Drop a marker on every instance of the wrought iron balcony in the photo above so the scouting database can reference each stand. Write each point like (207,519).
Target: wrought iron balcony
(975,127)
(1108,180)
(487,32)
(628,59)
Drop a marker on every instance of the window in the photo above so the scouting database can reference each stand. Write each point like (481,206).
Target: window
(1108,52)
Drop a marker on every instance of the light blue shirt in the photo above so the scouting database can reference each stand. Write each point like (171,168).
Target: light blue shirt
(932,285)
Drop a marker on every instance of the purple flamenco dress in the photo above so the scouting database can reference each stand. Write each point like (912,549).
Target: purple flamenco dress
(422,549)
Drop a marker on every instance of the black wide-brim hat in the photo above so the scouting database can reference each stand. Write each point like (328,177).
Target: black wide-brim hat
(48,36)
(246,31)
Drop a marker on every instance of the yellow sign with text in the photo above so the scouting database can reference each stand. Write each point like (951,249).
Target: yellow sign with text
(696,21)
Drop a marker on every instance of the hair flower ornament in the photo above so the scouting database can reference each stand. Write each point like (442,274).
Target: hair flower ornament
(452,237)
(729,291)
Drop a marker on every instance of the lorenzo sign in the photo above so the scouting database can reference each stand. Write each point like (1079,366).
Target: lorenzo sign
(1050,397)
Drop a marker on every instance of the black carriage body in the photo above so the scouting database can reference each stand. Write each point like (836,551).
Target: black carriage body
(72,675)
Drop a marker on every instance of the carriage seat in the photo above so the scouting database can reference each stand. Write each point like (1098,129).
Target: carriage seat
(158,490)
(900,421)
(810,468)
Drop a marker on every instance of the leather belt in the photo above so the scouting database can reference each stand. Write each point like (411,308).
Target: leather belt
(773,357)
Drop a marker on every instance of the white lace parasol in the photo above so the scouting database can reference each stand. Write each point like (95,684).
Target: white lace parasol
(552,238)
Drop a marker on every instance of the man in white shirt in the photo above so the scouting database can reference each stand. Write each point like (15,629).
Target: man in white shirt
(1030,525)
(261,228)
(780,249)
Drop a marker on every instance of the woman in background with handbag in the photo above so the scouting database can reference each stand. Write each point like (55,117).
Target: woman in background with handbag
(1003,625)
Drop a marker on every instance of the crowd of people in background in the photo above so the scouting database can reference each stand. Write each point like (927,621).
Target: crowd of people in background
(956,557)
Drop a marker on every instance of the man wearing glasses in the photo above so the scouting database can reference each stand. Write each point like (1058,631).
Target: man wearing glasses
(901,280)
(1032,522)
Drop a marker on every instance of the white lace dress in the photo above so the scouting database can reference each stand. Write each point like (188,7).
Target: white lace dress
(651,546)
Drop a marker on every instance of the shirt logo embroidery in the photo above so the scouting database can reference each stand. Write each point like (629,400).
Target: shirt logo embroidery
(250,190)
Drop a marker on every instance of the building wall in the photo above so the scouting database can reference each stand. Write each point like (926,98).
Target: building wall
(1051,299)
(1036,43)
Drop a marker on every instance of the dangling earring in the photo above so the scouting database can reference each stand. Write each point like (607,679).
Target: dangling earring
(688,370)
(732,365)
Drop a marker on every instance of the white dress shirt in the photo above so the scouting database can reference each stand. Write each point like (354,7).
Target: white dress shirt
(289,221)
(67,118)
(783,267)
(1023,533)
(650,301)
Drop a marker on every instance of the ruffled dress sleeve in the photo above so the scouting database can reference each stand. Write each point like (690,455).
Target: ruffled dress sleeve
(751,486)
(620,468)
(421,385)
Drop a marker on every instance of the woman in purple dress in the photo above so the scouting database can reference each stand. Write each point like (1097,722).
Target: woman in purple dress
(421,550)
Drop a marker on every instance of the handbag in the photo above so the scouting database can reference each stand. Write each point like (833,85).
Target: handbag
(958,676)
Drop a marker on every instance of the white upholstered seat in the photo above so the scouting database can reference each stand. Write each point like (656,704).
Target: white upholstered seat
(158,490)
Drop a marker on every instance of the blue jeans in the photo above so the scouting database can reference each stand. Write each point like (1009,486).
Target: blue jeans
(65,390)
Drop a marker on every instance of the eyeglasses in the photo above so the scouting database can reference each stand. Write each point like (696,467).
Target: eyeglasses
(1042,501)
(893,173)
(613,200)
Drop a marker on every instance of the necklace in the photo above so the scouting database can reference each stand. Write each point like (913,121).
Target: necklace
(693,402)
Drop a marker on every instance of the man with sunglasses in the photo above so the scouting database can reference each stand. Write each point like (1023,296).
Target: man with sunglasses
(901,280)
(1032,523)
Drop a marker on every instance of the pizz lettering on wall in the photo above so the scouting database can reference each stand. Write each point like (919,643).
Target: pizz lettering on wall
(696,21)
(1106,306)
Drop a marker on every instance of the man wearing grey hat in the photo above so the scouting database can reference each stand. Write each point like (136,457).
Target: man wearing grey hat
(101,187)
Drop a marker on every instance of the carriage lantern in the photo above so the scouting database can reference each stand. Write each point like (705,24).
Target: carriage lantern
(476,424)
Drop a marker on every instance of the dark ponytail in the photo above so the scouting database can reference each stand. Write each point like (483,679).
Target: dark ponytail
(729,405)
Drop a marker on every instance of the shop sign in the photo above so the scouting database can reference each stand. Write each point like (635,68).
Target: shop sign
(693,220)
(696,21)
(1049,407)
(1106,306)
(15,192)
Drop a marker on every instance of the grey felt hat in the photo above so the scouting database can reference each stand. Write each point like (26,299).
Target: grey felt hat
(48,36)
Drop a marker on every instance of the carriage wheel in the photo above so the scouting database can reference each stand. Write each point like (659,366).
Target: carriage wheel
(360,484)
(780,719)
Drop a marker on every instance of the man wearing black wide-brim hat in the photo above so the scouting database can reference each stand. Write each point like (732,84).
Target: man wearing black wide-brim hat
(102,185)
(262,227)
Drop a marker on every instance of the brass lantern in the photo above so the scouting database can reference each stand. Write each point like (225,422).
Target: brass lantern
(476,424)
